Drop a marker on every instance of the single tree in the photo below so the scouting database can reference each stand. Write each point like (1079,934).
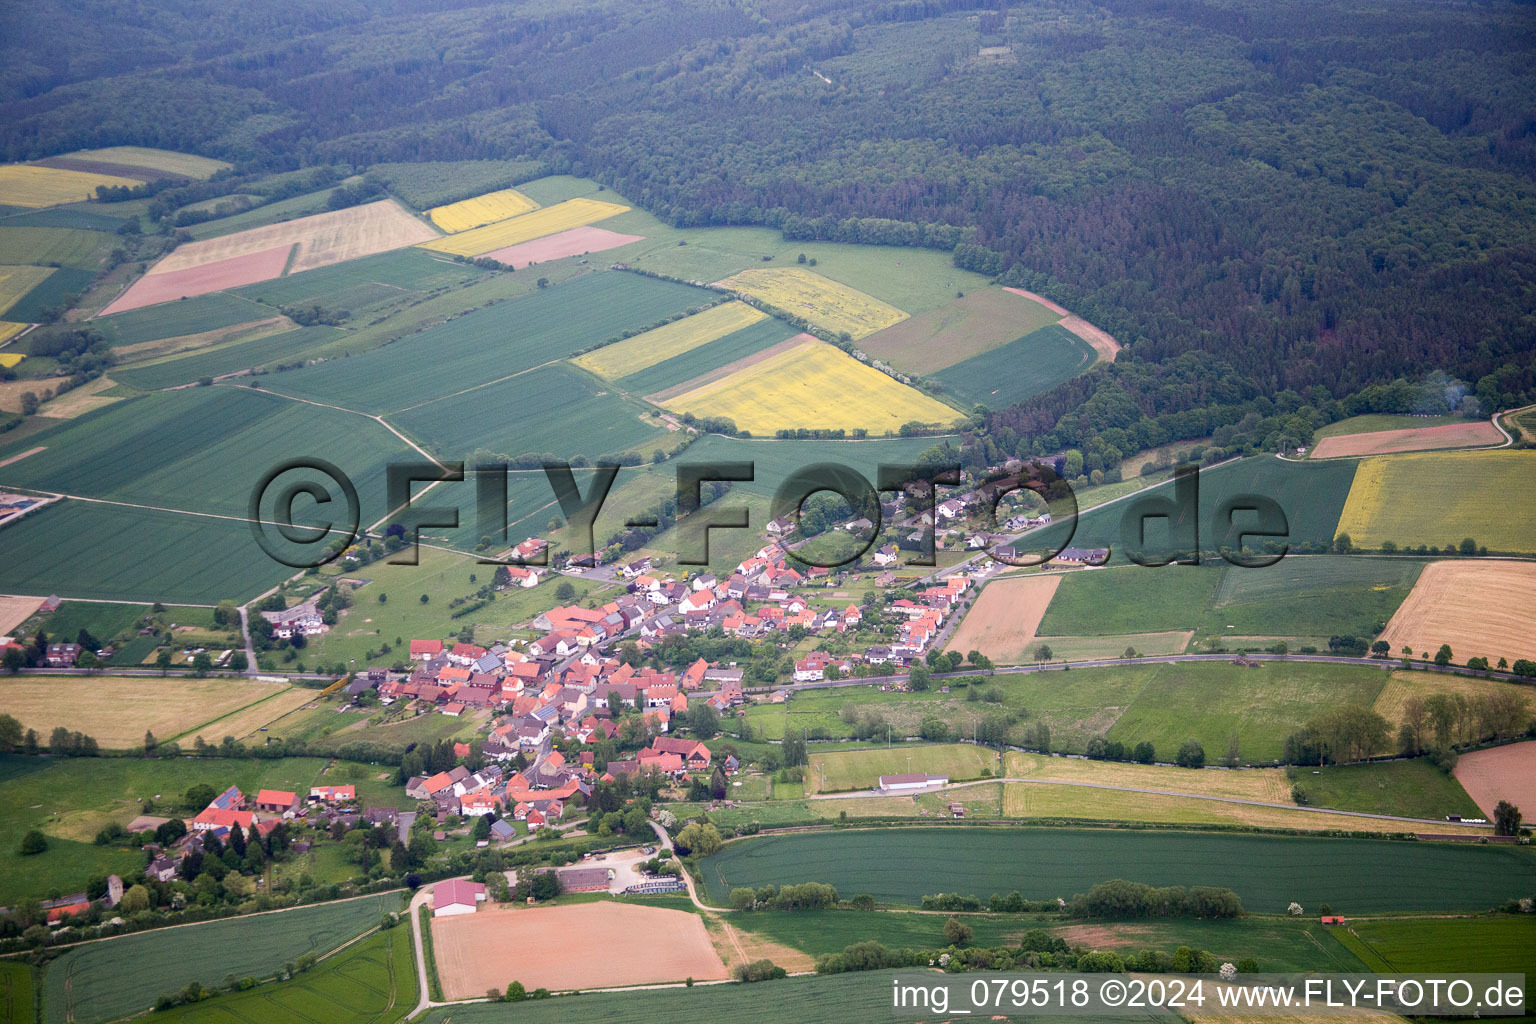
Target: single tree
(1506,819)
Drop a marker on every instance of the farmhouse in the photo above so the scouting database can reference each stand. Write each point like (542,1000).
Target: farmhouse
(584,880)
(918,780)
(277,801)
(456,896)
(332,794)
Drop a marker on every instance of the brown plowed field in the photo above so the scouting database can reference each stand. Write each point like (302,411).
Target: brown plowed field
(584,945)
(1003,622)
(1501,773)
(575,242)
(1411,439)
(1481,608)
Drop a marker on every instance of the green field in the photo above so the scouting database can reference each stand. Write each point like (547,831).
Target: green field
(83,217)
(491,343)
(102,981)
(400,276)
(202,450)
(836,999)
(861,769)
(1444,945)
(175,319)
(707,358)
(1372,422)
(371,982)
(70,800)
(1415,789)
(1280,944)
(1020,369)
(215,362)
(1302,595)
(115,553)
(555,409)
(103,621)
(16,993)
(70,247)
(1355,875)
(1312,495)
(53,293)
(434,183)
(1214,701)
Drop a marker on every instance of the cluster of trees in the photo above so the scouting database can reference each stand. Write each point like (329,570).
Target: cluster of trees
(1119,898)
(62,742)
(1103,749)
(805,896)
(1037,949)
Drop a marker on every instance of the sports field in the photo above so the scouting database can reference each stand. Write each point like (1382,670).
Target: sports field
(499,945)
(31,185)
(102,981)
(573,213)
(1482,608)
(812,385)
(1412,788)
(1439,499)
(479,347)
(17,281)
(117,710)
(1410,439)
(1020,369)
(1003,621)
(1267,872)
(674,339)
(861,769)
(471,213)
(1500,773)
(958,331)
(820,300)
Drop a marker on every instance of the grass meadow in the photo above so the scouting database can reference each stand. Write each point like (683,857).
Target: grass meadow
(1356,876)
(1020,369)
(1446,945)
(17,996)
(861,769)
(1415,789)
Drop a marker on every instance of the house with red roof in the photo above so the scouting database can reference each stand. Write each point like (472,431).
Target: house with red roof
(422,649)
(457,896)
(333,794)
(277,801)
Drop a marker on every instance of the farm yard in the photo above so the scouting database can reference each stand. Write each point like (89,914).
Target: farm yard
(811,385)
(1482,608)
(1500,773)
(103,981)
(573,213)
(1356,876)
(820,300)
(1411,439)
(471,213)
(495,947)
(118,710)
(1439,499)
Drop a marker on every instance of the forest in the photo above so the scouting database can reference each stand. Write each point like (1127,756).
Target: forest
(1273,203)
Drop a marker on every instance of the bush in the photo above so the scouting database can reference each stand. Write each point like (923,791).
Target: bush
(758,970)
(33,843)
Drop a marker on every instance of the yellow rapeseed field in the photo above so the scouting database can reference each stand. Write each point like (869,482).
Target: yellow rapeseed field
(635,354)
(815,386)
(7,332)
(17,281)
(29,185)
(573,213)
(1440,498)
(486,209)
(823,302)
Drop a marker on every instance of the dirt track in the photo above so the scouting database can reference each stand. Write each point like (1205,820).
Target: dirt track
(1481,608)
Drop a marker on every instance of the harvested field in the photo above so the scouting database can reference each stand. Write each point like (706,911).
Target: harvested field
(1413,439)
(1087,648)
(1266,784)
(14,611)
(322,239)
(218,276)
(979,322)
(573,213)
(1500,773)
(80,400)
(1103,345)
(496,946)
(186,165)
(735,945)
(31,185)
(846,770)
(471,213)
(1003,621)
(820,300)
(12,390)
(1440,498)
(816,386)
(645,350)
(1481,608)
(118,709)
(17,281)
(575,242)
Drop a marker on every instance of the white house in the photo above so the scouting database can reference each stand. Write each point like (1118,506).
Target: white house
(918,780)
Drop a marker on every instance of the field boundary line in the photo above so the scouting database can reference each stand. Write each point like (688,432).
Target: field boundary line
(231,714)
